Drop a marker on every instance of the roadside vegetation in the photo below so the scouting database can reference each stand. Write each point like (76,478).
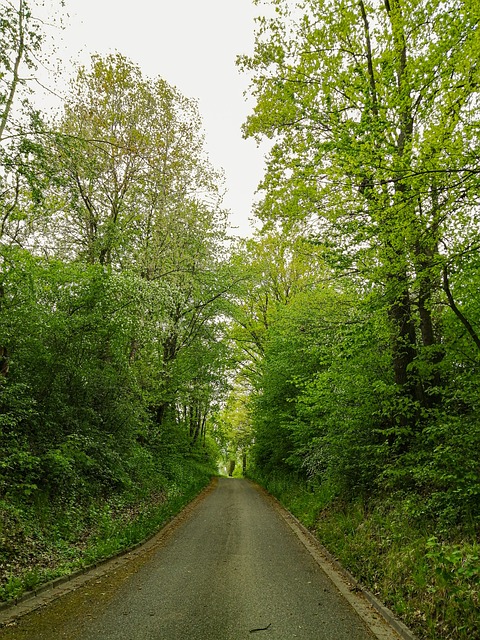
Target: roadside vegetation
(427,575)
(334,356)
(112,272)
(41,542)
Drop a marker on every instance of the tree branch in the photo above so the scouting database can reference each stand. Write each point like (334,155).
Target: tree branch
(456,310)
(16,68)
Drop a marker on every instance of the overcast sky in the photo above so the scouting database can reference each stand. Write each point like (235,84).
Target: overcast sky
(193,45)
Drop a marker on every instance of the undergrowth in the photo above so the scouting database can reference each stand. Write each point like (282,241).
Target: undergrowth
(47,539)
(428,577)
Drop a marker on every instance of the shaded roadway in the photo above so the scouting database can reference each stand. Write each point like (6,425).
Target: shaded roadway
(231,570)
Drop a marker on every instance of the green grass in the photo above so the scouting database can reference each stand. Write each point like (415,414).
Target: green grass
(38,545)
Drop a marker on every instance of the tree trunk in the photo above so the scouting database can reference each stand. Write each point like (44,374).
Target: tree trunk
(3,349)
(16,70)
(404,339)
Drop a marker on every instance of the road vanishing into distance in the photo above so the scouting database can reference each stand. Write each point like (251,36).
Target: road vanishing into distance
(231,569)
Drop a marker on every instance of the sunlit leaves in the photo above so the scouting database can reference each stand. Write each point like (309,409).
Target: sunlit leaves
(136,180)
(372,108)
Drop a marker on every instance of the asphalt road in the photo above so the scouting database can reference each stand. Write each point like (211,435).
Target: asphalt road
(231,570)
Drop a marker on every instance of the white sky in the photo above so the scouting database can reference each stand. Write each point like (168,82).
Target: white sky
(193,45)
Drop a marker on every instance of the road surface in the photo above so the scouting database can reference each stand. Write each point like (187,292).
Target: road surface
(232,570)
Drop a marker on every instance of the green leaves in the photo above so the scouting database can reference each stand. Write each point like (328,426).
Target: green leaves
(372,109)
(135,182)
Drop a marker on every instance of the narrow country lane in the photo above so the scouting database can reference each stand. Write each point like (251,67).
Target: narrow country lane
(232,570)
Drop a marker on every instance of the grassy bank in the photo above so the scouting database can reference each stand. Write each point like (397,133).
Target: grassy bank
(46,539)
(427,574)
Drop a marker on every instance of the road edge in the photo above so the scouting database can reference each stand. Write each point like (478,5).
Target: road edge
(362,600)
(46,593)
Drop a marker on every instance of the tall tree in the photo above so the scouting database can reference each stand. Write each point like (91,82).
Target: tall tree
(136,193)
(21,40)
(23,36)
(124,276)
(372,106)
(136,180)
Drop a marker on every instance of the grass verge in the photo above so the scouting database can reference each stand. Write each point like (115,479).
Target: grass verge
(428,578)
(37,546)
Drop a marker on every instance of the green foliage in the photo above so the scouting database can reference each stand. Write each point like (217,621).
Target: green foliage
(232,430)
(48,540)
(365,376)
(69,355)
(324,388)
(112,350)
